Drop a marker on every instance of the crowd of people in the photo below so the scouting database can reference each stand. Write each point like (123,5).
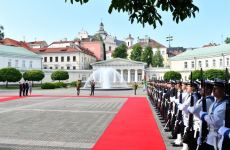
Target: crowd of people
(196,112)
(25,88)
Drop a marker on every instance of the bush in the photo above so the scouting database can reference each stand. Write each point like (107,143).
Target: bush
(33,75)
(10,75)
(72,84)
(212,74)
(60,75)
(172,75)
(48,86)
(60,84)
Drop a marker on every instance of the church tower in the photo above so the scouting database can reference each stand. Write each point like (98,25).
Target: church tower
(129,41)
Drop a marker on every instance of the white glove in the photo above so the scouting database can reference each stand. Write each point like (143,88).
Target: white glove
(180,106)
(177,101)
(191,109)
(202,115)
(223,130)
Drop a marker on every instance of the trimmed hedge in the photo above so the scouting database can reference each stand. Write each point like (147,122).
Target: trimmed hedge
(48,86)
(60,84)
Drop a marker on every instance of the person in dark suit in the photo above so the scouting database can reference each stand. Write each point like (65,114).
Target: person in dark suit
(24,88)
(135,86)
(20,89)
(27,88)
(78,86)
(92,84)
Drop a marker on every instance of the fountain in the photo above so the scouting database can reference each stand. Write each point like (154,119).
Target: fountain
(107,79)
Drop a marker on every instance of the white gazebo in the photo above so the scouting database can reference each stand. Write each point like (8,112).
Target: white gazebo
(131,71)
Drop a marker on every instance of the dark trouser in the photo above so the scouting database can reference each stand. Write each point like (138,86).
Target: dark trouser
(92,92)
(27,92)
(20,92)
(78,91)
(135,92)
(24,92)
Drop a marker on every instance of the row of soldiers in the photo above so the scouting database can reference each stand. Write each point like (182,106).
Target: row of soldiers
(196,113)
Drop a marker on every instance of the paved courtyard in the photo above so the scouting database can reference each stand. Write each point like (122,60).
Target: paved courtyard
(59,120)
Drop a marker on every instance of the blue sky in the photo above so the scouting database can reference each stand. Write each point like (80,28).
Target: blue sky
(52,20)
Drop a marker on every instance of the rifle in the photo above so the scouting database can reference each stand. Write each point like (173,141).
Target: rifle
(179,126)
(204,126)
(226,141)
(189,134)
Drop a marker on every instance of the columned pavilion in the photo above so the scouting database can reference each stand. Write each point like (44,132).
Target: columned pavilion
(131,71)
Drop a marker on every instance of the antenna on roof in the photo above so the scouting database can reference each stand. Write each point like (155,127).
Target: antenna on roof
(169,39)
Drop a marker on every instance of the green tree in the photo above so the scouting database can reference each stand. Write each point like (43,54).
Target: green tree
(1,32)
(10,75)
(212,74)
(196,75)
(120,51)
(136,52)
(172,75)
(147,11)
(227,40)
(157,59)
(33,75)
(147,55)
(60,75)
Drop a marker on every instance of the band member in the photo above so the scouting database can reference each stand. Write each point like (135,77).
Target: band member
(78,86)
(20,89)
(92,84)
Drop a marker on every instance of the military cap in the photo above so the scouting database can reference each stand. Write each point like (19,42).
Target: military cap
(219,82)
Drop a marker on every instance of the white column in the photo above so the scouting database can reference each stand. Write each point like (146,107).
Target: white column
(114,77)
(136,75)
(128,75)
(143,74)
(122,75)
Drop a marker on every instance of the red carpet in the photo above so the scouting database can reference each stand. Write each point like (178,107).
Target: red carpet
(133,128)
(10,98)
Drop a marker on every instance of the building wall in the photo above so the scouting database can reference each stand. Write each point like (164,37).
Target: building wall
(21,63)
(96,47)
(82,61)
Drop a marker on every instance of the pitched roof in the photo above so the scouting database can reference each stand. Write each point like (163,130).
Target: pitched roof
(11,42)
(203,52)
(152,43)
(118,59)
(63,50)
(17,51)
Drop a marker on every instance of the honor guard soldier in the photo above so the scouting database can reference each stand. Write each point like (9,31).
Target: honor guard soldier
(216,114)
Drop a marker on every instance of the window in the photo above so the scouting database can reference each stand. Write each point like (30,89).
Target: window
(31,64)
(206,63)
(51,67)
(45,67)
(68,58)
(62,67)
(227,61)
(74,67)
(74,58)
(45,59)
(51,59)
(56,67)
(110,49)
(221,62)
(214,63)
(23,64)
(200,64)
(162,52)
(56,59)
(9,63)
(16,63)
(62,59)
(192,64)
(185,64)
(68,67)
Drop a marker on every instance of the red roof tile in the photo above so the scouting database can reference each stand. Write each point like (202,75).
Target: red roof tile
(11,42)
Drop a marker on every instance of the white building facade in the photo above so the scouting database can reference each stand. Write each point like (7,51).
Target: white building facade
(19,58)
(130,71)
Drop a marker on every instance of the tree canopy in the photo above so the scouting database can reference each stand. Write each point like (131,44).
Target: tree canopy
(172,75)
(10,75)
(136,52)
(120,51)
(227,40)
(33,75)
(157,59)
(1,32)
(147,55)
(147,11)
(60,75)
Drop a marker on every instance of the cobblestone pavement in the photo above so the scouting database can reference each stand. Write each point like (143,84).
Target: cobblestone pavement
(44,123)
(61,123)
